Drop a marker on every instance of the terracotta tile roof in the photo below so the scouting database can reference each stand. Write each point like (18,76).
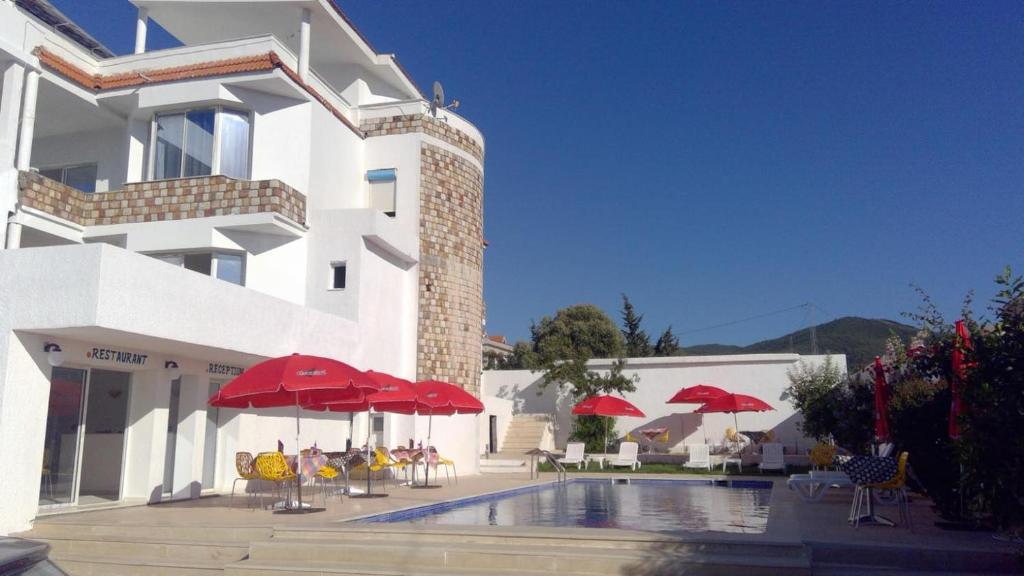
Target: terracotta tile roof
(256,63)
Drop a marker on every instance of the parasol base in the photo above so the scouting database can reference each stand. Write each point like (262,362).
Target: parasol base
(421,486)
(369,495)
(303,510)
(872,519)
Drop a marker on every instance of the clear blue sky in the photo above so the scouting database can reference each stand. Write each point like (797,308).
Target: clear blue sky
(719,160)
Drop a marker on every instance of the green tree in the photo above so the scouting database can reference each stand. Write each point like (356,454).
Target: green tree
(667,344)
(638,344)
(812,392)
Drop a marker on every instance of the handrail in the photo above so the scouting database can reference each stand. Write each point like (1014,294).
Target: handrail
(563,476)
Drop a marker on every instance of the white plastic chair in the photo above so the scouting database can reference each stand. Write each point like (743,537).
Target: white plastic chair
(772,458)
(700,456)
(627,456)
(574,454)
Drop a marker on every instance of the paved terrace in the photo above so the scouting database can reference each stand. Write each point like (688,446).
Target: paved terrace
(834,545)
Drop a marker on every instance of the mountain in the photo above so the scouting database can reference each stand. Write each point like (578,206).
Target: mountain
(861,339)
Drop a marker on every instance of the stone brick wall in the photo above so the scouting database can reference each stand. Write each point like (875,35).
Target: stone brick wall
(161,199)
(387,126)
(451,302)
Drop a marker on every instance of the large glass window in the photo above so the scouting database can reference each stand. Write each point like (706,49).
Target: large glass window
(60,447)
(189,144)
(226,266)
(81,176)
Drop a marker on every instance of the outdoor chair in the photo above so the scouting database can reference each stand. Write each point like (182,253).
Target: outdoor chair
(574,454)
(700,456)
(822,456)
(447,463)
(897,484)
(324,476)
(812,487)
(772,458)
(246,469)
(272,467)
(627,456)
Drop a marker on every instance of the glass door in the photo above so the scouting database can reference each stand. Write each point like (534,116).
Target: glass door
(103,437)
(63,432)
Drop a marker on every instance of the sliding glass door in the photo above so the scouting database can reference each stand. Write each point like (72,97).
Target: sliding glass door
(63,427)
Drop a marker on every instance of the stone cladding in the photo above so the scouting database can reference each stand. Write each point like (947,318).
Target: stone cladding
(152,201)
(451,305)
(392,125)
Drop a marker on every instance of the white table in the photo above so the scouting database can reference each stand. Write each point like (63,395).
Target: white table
(732,460)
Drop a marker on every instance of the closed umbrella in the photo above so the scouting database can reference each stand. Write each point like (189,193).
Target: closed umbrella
(733,403)
(444,399)
(699,394)
(881,402)
(606,406)
(961,345)
(280,382)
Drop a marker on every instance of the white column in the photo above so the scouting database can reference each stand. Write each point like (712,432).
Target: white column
(13,237)
(28,119)
(10,110)
(304,44)
(141,22)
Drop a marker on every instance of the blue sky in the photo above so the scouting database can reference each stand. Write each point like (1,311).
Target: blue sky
(720,160)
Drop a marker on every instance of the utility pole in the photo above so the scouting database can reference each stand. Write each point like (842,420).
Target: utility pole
(814,330)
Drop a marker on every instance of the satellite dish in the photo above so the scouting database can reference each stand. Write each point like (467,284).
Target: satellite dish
(438,101)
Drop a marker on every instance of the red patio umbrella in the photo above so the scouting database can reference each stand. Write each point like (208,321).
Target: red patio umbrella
(961,344)
(881,402)
(606,406)
(394,395)
(734,403)
(699,394)
(280,382)
(443,399)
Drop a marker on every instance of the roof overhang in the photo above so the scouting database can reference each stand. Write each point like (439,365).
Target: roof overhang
(336,46)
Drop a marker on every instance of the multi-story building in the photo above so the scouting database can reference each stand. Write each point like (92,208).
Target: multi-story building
(273,185)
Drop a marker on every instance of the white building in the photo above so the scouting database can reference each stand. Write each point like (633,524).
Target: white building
(508,393)
(273,185)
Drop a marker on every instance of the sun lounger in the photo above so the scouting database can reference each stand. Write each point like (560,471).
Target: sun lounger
(772,458)
(700,456)
(812,487)
(627,456)
(574,455)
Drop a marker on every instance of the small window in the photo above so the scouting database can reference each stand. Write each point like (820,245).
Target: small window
(338,275)
(382,190)
(81,176)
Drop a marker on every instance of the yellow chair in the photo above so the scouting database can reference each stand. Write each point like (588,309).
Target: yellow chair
(898,484)
(381,462)
(663,438)
(326,474)
(246,469)
(272,467)
(631,438)
(822,456)
(447,462)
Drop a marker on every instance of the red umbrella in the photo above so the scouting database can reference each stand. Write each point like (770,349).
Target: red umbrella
(606,406)
(961,344)
(394,394)
(733,403)
(281,381)
(698,394)
(443,399)
(881,402)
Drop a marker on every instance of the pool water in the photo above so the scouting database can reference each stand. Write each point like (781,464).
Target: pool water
(652,505)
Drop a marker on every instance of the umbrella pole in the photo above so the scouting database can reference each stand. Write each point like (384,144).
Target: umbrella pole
(369,429)
(426,458)
(605,434)
(298,456)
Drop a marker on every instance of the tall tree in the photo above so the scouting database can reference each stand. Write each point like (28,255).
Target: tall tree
(667,344)
(638,344)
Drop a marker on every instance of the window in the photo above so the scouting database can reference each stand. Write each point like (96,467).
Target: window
(382,190)
(81,176)
(338,273)
(221,265)
(200,143)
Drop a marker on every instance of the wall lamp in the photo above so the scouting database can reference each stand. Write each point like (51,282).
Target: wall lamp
(54,355)
(172,369)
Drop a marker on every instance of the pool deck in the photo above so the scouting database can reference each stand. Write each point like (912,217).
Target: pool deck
(821,526)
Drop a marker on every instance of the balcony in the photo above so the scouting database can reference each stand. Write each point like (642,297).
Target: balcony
(161,200)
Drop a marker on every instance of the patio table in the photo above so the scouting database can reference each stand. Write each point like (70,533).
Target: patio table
(310,465)
(866,470)
(651,434)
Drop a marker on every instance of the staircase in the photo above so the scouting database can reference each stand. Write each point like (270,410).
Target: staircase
(525,432)
(90,549)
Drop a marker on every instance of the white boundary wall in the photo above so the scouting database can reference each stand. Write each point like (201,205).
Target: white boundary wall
(510,392)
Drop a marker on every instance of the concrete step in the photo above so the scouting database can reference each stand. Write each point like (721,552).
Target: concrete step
(398,555)
(113,566)
(353,569)
(141,547)
(50,529)
(838,558)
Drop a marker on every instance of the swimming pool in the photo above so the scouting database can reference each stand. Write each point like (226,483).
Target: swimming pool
(641,504)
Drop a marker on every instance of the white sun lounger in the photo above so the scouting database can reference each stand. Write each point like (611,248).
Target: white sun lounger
(812,487)
(627,456)
(574,455)
(700,456)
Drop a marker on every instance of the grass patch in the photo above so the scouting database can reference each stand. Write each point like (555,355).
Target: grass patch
(655,468)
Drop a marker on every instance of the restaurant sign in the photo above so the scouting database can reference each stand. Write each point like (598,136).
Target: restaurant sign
(117,356)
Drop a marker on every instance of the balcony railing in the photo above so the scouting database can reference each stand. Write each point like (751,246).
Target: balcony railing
(160,200)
